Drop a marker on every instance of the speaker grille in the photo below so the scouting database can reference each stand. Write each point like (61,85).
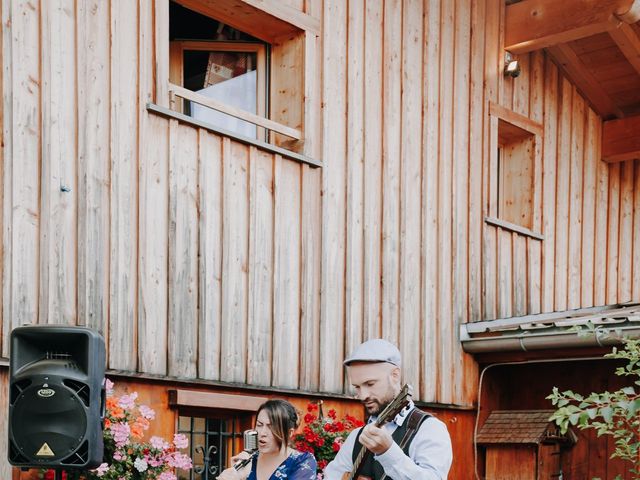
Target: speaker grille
(79,457)
(54,425)
(81,389)
(14,454)
(17,388)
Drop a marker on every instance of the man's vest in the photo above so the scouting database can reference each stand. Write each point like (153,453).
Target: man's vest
(403,435)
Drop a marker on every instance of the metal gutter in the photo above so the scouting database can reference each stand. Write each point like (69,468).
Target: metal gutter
(553,330)
(632,15)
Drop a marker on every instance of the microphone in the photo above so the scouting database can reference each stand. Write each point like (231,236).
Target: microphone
(250,440)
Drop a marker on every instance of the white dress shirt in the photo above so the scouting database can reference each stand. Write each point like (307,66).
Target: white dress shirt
(430,453)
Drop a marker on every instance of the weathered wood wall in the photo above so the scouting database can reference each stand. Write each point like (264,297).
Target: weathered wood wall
(198,256)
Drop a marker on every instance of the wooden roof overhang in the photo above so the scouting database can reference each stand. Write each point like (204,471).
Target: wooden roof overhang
(596,43)
(582,328)
(530,427)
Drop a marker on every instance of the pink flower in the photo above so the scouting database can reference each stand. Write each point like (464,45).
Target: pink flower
(108,386)
(166,476)
(102,469)
(180,440)
(128,401)
(120,433)
(179,460)
(146,412)
(159,443)
(117,455)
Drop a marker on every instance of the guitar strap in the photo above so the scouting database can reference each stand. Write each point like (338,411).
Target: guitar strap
(416,417)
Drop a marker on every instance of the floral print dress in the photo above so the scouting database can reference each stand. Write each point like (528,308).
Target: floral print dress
(297,466)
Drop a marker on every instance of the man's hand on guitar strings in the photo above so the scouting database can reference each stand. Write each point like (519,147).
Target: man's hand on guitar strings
(376,440)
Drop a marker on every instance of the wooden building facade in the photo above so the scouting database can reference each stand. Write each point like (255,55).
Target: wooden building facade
(418,189)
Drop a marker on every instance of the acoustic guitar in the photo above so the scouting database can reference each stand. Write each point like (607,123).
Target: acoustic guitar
(389,413)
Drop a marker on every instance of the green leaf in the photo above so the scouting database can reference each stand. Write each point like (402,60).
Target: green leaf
(607,414)
(629,390)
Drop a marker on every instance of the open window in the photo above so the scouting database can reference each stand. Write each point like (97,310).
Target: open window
(238,70)
(514,195)
(221,63)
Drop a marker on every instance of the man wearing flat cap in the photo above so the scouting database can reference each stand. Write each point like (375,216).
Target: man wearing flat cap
(413,445)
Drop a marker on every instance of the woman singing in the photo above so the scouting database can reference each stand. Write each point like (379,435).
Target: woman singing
(276,460)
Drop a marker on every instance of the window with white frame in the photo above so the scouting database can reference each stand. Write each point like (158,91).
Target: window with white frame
(239,72)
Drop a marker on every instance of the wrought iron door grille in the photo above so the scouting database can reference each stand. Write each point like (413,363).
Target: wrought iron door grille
(211,443)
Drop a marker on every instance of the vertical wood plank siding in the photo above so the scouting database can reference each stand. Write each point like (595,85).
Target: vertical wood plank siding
(94,86)
(123,205)
(201,257)
(5,467)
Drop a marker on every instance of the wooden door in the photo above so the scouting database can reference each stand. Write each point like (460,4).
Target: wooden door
(511,462)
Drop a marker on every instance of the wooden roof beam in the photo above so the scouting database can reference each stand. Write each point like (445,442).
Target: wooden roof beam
(585,82)
(628,42)
(536,24)
(620,139)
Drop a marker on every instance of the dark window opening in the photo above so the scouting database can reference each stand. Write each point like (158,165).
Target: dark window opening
(212,442)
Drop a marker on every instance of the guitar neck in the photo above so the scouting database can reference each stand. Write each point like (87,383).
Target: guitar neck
(391,410)
(358,462)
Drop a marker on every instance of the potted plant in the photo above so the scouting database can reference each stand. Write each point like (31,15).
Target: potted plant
(323,435)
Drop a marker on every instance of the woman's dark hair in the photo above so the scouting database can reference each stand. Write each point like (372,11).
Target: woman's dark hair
(282,416)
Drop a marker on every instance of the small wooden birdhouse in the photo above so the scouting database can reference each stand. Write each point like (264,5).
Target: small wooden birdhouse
(522,445)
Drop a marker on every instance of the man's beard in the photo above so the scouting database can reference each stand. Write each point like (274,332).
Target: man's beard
(378,407)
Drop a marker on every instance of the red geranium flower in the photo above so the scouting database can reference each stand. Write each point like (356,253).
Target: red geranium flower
(323,436)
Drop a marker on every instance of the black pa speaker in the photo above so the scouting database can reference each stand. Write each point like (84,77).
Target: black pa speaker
(56,399)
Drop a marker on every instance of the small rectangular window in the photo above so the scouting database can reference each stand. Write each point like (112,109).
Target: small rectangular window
(230,73)
(514,169)
(212,442)
(515,175)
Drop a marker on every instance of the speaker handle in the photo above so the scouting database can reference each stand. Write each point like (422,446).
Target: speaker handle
(103,404)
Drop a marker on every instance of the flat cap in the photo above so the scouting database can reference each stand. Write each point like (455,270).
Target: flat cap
(376,350)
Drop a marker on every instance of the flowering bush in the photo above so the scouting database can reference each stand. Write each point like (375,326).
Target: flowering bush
(323,436)
(129,458)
